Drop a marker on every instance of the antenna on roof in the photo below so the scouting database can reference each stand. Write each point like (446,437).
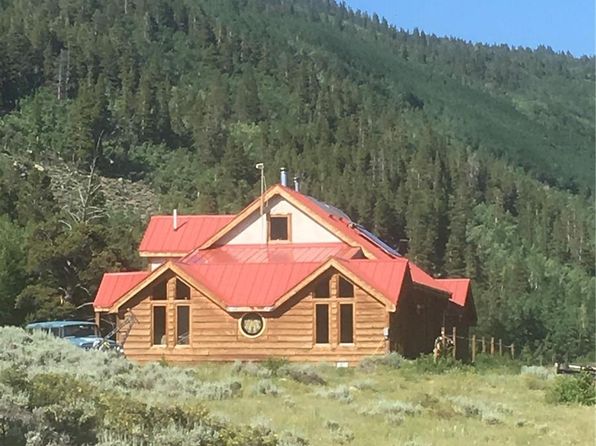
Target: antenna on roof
(261,167)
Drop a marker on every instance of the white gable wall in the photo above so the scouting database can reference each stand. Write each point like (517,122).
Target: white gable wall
(303,229)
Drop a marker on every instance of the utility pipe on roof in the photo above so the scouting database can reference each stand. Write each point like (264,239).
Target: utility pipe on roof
(283,176)
(175,219)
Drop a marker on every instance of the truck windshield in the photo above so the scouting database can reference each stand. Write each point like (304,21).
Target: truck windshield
(80,331)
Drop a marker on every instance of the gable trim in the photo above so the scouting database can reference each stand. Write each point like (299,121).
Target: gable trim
(279,190)
(333,263)
(179,272)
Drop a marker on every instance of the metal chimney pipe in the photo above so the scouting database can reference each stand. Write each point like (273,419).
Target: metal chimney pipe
(175,219)
(297,184)
(283,176)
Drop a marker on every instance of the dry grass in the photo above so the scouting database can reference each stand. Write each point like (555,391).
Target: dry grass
(401,406)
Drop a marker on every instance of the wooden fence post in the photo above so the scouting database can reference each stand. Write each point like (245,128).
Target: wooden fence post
(483,345)
(454,342)
(512,350)
(500,347)
(473,348)
(492,346)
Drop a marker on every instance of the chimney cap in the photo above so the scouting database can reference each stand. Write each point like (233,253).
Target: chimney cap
(283,176)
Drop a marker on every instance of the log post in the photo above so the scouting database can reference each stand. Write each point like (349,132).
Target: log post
(512,350)
(492,346)
(500,347)
(483,345)
(474,348)
(454,342)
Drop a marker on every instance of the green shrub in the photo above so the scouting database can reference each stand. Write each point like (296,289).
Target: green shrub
(340,393)
(427,364)
(273,364)
(339,433)
(304,374)
(391,360)
(266,387)
(577,389)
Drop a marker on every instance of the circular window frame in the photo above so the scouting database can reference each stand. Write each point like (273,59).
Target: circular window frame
(248,335)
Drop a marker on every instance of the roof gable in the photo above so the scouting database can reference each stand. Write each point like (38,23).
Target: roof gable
(331,219)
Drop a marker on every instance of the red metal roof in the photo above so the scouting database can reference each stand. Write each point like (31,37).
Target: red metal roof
(115,285)
(386,276)
(193,230)
(459,289)
(272,253)
(249,284)
(339,223)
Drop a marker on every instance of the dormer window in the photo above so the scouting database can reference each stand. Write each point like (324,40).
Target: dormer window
(279,227)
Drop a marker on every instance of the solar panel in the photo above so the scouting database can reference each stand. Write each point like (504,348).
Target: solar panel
(331,209)
(376,240)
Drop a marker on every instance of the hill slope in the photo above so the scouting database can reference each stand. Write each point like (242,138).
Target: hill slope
(479,157)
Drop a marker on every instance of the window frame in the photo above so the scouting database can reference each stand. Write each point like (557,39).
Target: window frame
(152,333)
(189,331)
(288,218)
(163,283)
(182,282)
(328,306)
(340,323)
(334,302)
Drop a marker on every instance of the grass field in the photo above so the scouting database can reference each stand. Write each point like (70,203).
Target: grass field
(387,406)
(52,393)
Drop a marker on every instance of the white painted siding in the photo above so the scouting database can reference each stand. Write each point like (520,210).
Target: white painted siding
(303,229)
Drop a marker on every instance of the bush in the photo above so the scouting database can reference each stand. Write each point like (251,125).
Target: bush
(339,433)
(340,393)
(489,413)
(577,389)
(427,364)
(273,364)
(266,387)
(304,374)
(391,360)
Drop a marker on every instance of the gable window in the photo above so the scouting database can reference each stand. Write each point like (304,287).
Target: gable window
(322,288)
(159,291)
(346,324)
(182,325)
(322,324)
(346,289)
(158,326)
(182,290)
(279,227)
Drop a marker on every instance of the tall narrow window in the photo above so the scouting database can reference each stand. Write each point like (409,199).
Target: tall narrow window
(159,291)
(159,325)
(182,290)
(346,289)
(346,324)
(322,288)
(182,325)
(279,227)
(322,324)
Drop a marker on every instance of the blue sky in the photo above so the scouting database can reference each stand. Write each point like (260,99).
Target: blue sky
(564,25)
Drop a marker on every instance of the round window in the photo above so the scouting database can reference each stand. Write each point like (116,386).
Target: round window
(252,324)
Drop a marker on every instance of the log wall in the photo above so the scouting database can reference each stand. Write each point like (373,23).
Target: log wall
(215,334)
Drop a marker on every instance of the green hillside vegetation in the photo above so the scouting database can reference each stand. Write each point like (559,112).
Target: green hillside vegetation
(54,393)
(481,157)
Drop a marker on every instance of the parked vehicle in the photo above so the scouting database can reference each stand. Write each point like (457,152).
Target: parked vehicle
(80,333)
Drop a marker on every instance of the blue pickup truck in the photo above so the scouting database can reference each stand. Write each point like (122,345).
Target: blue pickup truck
(80,333)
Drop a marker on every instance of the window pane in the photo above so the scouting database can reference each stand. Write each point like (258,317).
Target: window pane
(182,325)
(346,289)
(159,325)
(346,324)
(182,290)
(159,291)
(278,228)
(322,288)
(322,324)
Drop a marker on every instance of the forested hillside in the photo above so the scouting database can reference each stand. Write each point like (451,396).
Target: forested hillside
(481,157)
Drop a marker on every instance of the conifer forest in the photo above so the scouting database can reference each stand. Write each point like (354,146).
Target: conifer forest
(475,160)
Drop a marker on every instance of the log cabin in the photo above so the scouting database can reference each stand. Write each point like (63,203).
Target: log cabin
(288,276)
